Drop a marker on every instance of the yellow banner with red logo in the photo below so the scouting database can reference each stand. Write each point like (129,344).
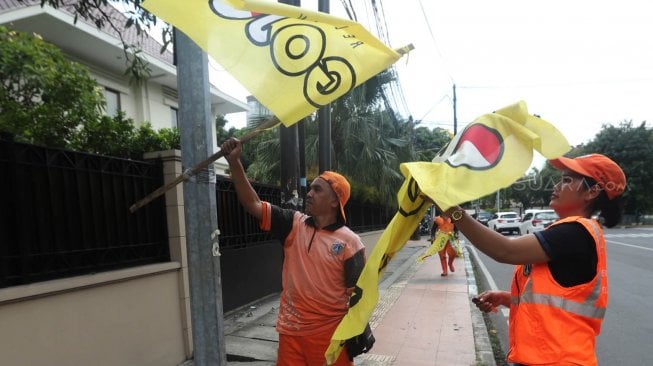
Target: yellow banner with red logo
(490,153)
(292,60)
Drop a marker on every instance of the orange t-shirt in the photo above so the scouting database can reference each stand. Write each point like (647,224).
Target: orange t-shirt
(315,294)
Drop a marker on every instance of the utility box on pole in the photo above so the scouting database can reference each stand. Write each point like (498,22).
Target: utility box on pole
(200,204)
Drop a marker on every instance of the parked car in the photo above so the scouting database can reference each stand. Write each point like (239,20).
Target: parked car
(504,221)
(536,220)
(483,217)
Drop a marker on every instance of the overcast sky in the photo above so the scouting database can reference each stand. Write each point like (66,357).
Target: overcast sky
(578,64)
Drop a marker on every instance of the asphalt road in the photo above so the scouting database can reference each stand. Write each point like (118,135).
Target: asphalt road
(628,325)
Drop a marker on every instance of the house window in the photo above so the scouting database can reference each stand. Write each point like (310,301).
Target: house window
(112,97)
(173,117)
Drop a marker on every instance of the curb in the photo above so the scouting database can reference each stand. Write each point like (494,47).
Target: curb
(484,352)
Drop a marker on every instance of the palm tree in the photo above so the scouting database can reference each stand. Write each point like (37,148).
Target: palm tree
(369,141)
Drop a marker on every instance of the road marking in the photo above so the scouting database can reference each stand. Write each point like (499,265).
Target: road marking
(628,245)
(486,273)
(638,235)
(490,280)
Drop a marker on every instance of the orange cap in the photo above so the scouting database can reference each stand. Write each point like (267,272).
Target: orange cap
(340,186)
(602,169)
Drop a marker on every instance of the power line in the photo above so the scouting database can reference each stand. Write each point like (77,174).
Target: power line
(435,43)
(445,96)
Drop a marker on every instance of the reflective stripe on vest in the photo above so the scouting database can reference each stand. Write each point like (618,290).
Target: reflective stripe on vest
(587,308)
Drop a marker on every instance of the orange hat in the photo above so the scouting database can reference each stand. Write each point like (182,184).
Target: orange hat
(340,186)
(602,169)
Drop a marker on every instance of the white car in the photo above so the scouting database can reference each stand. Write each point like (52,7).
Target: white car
(504,221)
(536,220)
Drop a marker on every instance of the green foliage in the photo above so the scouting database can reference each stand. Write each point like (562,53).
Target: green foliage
(221,133)
(48,100)
(369,142)
(106,136)
(147,139)
(629,146)
(43,96)
(118,136)
(429,142)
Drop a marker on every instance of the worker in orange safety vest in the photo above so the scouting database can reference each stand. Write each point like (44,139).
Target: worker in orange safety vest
(559,292)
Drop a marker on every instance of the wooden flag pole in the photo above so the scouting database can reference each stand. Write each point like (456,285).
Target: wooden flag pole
(202,165)
(199,167)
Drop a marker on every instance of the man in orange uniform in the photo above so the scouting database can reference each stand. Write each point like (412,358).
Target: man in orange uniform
(322,262)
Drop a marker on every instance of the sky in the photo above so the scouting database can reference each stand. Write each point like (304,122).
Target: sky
(578,64)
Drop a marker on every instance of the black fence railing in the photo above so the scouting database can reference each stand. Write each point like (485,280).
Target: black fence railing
(65,213)
(238,229)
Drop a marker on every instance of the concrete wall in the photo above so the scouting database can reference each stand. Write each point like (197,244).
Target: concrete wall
(135,316)
(128,317)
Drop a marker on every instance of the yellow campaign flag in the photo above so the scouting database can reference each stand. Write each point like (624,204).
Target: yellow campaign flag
(441,239)
(491,153)
(292,60)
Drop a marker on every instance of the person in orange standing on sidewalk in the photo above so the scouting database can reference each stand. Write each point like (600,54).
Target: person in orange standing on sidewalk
(443,224)
(322,262)
(559,291)
(443,238)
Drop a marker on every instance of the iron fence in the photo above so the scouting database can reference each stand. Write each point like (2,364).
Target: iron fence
(65,213)
(239,229)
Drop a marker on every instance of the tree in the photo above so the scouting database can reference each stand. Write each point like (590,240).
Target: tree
(222,134)
(43,95)
(429,142)
(631,147)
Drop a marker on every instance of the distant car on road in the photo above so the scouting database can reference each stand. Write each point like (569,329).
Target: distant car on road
(536,220)
(504,221)
(483,217)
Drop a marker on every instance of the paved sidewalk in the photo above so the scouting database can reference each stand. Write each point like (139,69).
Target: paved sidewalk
(421,318)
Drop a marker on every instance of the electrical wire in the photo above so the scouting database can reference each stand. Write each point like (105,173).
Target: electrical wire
(435,43)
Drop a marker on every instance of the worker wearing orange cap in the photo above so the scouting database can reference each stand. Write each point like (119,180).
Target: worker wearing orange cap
(323,259)
(559,292)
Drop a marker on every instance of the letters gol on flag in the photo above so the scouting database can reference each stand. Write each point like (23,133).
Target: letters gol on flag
(490,153)
(292,60)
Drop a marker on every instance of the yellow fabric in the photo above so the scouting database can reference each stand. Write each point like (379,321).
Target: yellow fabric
(412,208)
(293,62)
(508,135)
(441,239)
(447,185)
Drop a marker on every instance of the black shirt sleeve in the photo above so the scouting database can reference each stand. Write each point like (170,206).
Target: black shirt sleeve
(572,251)
(281,222)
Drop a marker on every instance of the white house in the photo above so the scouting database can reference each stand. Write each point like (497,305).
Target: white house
(101,51)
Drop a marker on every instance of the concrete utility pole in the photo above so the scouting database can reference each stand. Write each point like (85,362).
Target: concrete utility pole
(200,204)
(324,118)
(455,114)
(288,139)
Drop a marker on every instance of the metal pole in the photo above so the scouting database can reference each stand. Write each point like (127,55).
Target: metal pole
(289,157)
(200,204)
(324,118)
(498,200)
(455,114)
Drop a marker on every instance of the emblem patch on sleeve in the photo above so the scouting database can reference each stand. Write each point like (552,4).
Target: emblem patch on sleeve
(337,247)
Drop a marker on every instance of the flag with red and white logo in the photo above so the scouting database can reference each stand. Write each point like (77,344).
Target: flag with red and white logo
(490,153)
